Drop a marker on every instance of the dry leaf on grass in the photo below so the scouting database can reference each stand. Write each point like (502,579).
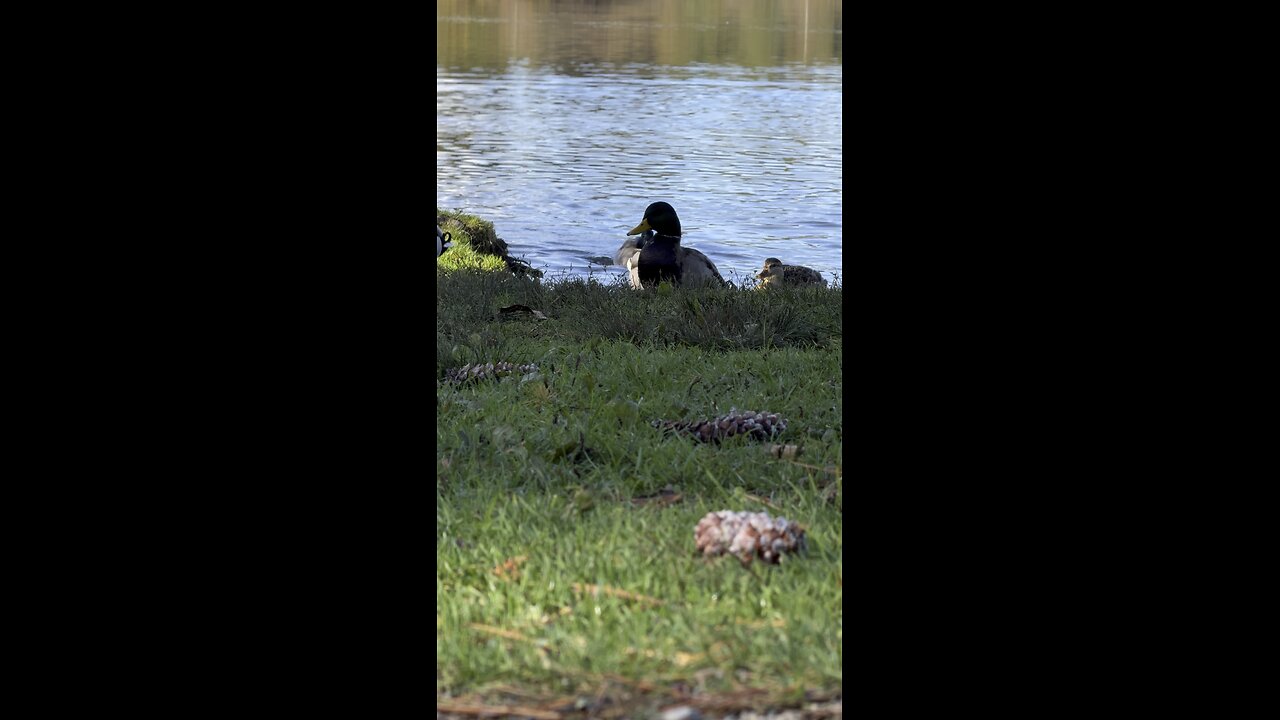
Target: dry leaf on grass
(510,570)
(664,497)
(519,311)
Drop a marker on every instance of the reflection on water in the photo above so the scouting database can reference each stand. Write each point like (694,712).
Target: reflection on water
(561,121)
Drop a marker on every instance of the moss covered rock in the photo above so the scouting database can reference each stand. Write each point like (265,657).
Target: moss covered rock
(477,245)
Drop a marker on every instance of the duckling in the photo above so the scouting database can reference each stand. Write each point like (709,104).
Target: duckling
(442,241)
(656,254)
(775,273)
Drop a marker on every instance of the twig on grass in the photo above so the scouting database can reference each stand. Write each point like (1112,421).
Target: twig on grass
(597,589)
(762,501)
(500,632)
(496,710)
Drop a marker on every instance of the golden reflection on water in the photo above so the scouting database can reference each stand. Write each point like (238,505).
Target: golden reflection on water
(489,34)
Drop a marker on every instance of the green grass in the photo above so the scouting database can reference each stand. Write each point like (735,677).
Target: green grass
(461,256)
(556,467)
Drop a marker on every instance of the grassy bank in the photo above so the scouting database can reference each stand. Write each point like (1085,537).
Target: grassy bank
(567,581)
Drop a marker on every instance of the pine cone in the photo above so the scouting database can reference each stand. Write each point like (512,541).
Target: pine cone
(756,425)
(486,371)
(747,536)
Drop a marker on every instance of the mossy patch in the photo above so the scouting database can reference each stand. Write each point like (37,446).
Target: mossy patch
(462,256)
(476,246)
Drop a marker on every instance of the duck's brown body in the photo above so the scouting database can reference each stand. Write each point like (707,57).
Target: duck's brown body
(775,273)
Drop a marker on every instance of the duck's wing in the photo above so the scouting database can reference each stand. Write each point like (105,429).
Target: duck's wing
(697,268)
(633,272)
(630,248)
(801,275)
(628,256)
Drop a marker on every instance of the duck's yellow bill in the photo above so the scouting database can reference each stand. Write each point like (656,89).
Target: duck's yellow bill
(644,225)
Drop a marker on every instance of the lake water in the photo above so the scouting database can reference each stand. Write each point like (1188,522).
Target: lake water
(562,121)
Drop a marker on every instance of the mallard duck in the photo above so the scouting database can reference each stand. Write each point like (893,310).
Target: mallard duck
(657,255)
(775,273)
(442,241)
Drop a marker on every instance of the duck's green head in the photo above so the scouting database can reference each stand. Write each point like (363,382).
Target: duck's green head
(660,217)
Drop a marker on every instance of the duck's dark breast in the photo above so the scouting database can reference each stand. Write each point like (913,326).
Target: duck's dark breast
(658,263)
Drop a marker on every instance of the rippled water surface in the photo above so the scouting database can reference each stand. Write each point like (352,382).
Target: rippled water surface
(561,121)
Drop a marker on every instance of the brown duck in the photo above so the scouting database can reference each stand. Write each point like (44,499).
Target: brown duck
(775,274)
